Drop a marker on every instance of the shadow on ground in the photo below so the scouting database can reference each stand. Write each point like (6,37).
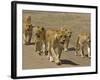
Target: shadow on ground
(71,49)
(64,61)
(32,43)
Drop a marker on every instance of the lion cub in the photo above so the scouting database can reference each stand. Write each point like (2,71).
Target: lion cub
(28,30)
(83,42)
(55,41)
(68,33)
(40,40)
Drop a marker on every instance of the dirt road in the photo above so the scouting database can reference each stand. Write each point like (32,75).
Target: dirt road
(32,60)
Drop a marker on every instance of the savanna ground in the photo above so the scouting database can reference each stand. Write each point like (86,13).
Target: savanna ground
(77,22)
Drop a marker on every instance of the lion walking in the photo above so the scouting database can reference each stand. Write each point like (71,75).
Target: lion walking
(28,30)
(82,43)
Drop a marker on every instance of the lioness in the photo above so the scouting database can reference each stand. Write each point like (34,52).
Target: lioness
(40,40)
(55,41)
(68,33)
(28,30)
(83,42)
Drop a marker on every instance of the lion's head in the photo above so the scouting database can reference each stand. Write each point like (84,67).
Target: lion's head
(61,36)
(39,31)
(68,32)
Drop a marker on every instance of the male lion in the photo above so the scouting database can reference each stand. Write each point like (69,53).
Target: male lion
(83,42)
(28,30)
(68,33)
(55,41)
(40,40)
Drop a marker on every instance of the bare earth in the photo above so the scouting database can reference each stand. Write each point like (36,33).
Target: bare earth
(77,22)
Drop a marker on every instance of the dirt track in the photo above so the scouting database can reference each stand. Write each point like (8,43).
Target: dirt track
(77,22)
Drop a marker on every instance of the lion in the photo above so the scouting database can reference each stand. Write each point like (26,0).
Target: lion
(55,41)
(83,42)
(68,33)
(28,28)
(40,40)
